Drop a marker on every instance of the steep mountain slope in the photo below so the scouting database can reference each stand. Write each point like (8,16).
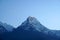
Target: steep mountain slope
(7,27)
(32,24)
(2,29)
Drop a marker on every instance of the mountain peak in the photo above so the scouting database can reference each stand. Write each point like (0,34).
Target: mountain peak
(31,24)
(31,19)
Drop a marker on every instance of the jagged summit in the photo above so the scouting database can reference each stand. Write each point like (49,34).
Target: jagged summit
(32,20)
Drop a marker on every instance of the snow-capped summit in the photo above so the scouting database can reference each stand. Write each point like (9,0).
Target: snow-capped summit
(32,24)
(32,20)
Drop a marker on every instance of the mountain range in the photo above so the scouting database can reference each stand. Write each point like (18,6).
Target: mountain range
(30,29)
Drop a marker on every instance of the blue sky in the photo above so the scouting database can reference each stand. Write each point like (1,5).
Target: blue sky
(14,12)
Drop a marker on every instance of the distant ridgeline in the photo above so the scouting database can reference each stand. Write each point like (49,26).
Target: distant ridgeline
(30,29)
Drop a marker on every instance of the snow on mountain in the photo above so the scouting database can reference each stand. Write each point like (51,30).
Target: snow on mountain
(2,29)
(32,24)
(6,26)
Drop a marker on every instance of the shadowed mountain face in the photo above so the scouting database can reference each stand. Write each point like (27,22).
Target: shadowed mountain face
(32,24)
(31,29)
(6,26)
(2,29)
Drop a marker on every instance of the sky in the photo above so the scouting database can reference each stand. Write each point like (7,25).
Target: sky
(47,12)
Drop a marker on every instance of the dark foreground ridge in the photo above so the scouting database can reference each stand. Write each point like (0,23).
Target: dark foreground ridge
(30,29)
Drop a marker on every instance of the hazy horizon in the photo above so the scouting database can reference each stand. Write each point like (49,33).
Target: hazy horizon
(47,12)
